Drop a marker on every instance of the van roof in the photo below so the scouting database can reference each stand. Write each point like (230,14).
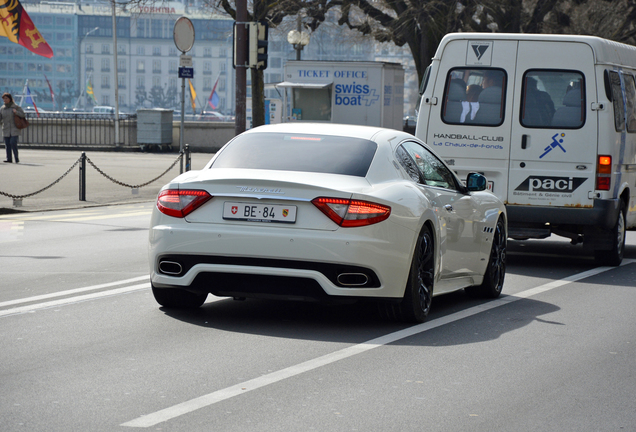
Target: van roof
(605,51)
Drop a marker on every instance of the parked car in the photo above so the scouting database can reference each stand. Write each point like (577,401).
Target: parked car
(324,212)
(213,116)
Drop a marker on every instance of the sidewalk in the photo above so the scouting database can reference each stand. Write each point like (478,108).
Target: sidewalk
(40,168)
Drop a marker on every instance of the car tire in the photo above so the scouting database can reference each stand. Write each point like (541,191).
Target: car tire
(178,298)
(614,256)
(495,274)
(418,295)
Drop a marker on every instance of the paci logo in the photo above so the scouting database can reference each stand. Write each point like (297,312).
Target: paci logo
(480,50)
(551,184)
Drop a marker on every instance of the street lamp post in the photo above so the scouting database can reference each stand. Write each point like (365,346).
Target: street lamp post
(298,39)
(79,60)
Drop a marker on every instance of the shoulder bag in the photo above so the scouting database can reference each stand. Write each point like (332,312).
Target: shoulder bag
(20,123)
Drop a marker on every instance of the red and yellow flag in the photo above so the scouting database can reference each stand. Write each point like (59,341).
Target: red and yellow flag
(16,25)
(193,96)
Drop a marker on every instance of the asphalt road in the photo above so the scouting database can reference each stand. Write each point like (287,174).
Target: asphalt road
(85,347)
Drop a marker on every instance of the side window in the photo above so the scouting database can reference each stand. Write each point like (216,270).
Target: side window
(630,96)
(617,100)
(474,96)
(431,170)
(553,99)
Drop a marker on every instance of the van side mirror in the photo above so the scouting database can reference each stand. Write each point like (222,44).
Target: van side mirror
(475,182)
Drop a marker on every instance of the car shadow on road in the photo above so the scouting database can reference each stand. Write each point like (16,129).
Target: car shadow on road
(354,323)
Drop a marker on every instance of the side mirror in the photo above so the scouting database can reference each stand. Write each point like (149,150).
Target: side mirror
(475,182)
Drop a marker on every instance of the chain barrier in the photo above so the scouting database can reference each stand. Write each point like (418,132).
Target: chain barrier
(134,186)
(19,197)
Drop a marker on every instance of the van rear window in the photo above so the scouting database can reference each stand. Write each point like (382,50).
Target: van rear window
(553,99)
(474,96)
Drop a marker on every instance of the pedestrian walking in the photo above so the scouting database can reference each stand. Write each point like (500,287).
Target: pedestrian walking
(9,129)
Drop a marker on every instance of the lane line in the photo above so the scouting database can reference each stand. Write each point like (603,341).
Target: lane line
(72,300)
(72,291)
(274,377)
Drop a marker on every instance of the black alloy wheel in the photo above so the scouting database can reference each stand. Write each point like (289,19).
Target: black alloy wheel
(418,295)
(495,274)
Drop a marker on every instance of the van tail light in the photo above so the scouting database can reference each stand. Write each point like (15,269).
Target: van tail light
(604,173)
(180,203)
(352,213)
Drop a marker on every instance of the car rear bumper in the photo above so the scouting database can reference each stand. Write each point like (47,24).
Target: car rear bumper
(257,261)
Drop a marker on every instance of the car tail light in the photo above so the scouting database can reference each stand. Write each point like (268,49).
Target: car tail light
(352,213)
(604,173)
(180,203)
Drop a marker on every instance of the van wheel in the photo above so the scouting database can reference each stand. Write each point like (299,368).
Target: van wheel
(614,256)
(496,271)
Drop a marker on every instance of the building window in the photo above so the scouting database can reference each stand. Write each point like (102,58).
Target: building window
(222,52)
(141,66)
(105,65)
(275,62)
(89,48)
(156,81)
(207,84)
(141,81)
(105,49)
(156,50)
(89,64)
(121,49)
(121,81)
(207,68)
(172,51)
(207,52)
(121,66)
(156,66)
(105,100)
(105,81)
(141,50)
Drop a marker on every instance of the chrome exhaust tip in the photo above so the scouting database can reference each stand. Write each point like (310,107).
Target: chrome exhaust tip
(353,279)
(170,268)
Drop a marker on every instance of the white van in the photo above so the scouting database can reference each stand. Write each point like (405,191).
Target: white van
(550,120)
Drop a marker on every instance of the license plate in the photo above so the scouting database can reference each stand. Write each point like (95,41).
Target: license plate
(259,212)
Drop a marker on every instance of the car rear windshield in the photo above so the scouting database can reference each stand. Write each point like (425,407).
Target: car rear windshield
(299,152)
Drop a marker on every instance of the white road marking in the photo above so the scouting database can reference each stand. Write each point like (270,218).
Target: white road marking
(274,377)
(72,291)
(71,300)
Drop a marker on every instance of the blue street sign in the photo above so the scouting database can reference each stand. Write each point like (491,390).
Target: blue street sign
(186,72)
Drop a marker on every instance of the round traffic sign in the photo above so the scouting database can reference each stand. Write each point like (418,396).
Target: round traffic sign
(183,34)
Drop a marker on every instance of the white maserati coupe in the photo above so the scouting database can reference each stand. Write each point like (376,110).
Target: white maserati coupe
(304,211)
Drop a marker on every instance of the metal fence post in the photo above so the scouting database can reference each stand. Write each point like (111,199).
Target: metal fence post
(187,158)
(82,178)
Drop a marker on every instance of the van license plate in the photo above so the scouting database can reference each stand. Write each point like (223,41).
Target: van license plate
(259,212)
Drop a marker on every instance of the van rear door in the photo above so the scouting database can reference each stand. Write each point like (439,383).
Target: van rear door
(554,136)
(470,113)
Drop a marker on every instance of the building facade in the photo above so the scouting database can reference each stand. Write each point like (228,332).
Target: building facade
(145,71)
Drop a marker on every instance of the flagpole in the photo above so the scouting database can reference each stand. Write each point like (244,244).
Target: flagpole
(26,84)
(213,90)
(116,77)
